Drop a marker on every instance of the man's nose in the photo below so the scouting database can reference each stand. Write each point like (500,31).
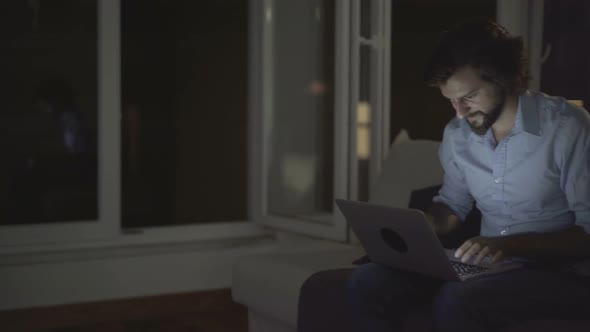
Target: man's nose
(461,108)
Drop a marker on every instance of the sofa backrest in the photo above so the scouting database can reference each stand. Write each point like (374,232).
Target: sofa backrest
(411,165)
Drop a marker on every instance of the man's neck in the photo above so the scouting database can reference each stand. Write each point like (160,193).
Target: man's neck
(507,119)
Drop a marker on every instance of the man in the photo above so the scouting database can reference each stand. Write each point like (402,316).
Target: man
(524,158)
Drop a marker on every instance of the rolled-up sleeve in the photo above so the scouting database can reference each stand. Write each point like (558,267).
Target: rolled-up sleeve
(454,192)
(576,166)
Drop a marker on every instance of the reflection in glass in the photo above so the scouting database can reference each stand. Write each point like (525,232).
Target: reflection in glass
(49,79)
(301,115)
(364,119)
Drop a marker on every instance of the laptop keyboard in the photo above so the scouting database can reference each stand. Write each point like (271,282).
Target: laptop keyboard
(463,269)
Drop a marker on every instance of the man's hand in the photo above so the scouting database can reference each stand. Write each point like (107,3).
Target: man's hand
(430,220)
(444,226)
(442,218)
(480,247)
(570,242)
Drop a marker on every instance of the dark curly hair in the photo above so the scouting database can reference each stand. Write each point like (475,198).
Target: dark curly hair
(485,46)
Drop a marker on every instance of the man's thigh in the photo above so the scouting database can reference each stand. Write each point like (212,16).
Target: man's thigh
(515,296)
(379,288)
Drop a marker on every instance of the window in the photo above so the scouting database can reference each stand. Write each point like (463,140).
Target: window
(310,144)
(186,113)
(300,116)
(49,116)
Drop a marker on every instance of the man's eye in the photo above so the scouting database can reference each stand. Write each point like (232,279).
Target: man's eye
(471,96)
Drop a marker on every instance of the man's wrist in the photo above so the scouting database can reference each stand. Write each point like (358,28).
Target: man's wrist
(443,218)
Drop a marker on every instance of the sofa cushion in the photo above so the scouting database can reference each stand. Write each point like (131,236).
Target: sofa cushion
(270,283)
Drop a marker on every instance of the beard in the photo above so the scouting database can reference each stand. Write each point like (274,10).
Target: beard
(488,119)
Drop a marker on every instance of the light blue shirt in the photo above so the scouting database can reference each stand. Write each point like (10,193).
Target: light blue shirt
(537,179)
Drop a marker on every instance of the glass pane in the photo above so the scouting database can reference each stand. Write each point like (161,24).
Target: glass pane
(48,60)
(301,152)
(184,129)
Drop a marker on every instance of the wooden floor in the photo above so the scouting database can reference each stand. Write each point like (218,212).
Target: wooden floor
(209,311)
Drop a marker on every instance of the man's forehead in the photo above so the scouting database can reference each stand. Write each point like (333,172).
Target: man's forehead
(457,93)
(461,83)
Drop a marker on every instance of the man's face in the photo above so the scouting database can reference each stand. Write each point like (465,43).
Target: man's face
(477,101)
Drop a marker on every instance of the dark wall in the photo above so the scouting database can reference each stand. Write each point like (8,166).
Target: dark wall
(566,29)
(184,67)
(416,25)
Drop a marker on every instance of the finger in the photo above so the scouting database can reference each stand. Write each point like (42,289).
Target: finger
(475,248)
(482,254)
(463,248)
(498,256)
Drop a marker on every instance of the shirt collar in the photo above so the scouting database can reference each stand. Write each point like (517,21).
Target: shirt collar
(527,119)
(527,116)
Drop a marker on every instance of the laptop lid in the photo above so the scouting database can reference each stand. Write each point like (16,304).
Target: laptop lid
(399,238)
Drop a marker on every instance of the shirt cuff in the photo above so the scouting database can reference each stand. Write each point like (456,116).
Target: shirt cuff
(458,209)
(583,220)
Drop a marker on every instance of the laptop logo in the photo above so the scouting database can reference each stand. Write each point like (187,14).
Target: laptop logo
(394,240)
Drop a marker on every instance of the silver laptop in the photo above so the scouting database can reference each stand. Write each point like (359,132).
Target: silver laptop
(403,239)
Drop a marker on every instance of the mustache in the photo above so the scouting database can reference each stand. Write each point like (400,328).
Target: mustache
(474,114)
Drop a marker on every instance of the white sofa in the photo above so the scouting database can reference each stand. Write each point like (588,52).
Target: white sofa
(269,284)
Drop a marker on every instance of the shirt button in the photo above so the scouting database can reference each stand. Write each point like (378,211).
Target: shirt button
(503,232)
(498,180)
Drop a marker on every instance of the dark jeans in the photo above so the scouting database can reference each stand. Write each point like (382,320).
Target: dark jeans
(381,297)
